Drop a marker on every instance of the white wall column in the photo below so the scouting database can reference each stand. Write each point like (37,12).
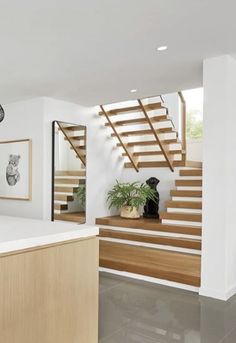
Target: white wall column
(219,178)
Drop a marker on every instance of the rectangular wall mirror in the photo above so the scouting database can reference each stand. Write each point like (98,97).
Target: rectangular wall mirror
(68,172)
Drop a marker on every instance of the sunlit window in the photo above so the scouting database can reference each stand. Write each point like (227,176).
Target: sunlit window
(194,104)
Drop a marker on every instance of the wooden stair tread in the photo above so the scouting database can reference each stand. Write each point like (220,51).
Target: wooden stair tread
(77,217)
(63,197)
(60,206)
(75,138)
(144,132)
(62,189)
(187,183)
(153,153)
(162,264)
(193,217)
(74,128)
(137,121)
(187,193)
(69,181)
(190,172)
(184,204)
(152,142)
(132,109)
(70,173)
(147,224)
(155,164)
(153,239)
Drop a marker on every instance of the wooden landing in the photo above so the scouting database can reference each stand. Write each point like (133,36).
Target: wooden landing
(77,217)
(148,224)
(162,264)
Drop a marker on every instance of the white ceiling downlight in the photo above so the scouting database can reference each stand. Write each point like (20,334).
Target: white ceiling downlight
(162,48)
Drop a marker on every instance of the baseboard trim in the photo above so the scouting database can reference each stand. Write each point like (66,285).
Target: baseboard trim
(215,294)
(151,279)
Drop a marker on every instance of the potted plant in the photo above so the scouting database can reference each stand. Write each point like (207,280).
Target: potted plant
(128,197)
(81,195)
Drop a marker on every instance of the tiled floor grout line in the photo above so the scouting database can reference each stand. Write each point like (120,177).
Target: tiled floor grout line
(226,335)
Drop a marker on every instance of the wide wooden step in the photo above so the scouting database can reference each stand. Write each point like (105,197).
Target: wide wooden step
(152,239)
(189,217)
(162,264)
(69,181)
(190,172)
(153,153)
(188,183)
(148,224)
(70,173)
(63,197)
(138,121)
(60,207)
(61,189)
(144,132)
(133,109)
(154,164)
(152,142)
(184,204)
(76,217)
(187,193)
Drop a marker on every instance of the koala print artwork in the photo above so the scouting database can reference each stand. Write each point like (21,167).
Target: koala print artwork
(12,172)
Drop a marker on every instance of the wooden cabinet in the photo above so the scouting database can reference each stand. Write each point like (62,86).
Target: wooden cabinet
(49,294)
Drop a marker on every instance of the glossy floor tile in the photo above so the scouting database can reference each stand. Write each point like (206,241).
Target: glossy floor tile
(134,311)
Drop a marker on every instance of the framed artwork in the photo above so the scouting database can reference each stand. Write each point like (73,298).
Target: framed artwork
(16,169)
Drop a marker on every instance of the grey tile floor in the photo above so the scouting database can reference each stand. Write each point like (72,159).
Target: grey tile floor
(138,312)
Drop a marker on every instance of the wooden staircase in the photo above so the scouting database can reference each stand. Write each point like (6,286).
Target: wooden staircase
(67,182)
(146,133)
(169,248)
(186,203)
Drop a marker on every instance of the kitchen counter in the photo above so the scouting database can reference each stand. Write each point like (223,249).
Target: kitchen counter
(20,233)
(49,282)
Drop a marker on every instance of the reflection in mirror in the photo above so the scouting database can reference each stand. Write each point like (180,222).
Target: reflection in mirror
(69,172)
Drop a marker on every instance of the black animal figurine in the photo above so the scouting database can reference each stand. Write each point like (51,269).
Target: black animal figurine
(151,208)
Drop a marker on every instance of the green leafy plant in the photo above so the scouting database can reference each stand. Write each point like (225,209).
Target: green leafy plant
(132,194)
(81,194)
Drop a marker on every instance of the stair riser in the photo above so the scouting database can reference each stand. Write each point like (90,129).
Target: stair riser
(188,188)
(186,199)
(153,246)
(181,222)
(183,210)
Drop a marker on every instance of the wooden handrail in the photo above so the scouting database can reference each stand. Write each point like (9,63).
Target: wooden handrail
(77,151)
(132,160)
(164,151)
(183,123)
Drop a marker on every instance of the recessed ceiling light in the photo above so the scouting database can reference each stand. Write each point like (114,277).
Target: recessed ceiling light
(133,90)
(162,48)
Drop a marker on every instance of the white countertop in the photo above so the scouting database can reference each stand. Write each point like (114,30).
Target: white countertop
(20,233)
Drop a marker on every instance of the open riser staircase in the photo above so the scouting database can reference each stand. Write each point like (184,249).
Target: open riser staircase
(67,182)
(146,134)
(169,249)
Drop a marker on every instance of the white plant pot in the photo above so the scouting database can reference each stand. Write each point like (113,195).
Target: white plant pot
(129,212)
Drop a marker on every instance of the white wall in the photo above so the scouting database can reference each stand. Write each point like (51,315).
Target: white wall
(194,149)
(24,120)
(219,186)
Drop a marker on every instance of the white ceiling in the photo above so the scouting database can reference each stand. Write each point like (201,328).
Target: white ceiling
(93,52)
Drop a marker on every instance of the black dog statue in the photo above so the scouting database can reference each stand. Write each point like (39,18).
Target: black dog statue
(151,209)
